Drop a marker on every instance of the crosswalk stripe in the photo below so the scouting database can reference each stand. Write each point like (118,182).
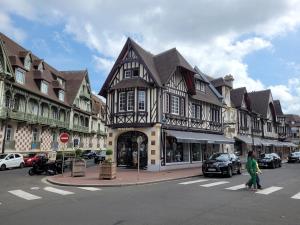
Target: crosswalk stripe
(237,187)
(193,181)
(214,184)
(269,190)
(24,195)
(296,196)
(90,188)
(58,191)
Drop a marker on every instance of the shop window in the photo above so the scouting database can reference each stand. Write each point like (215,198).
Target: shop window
(176,151)
(197,151)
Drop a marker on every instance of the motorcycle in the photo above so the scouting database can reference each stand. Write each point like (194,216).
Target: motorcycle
(42,166)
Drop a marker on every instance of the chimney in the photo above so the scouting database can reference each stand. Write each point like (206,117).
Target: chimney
(229,80)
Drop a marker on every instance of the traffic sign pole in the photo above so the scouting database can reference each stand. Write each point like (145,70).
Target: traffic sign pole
(64,138)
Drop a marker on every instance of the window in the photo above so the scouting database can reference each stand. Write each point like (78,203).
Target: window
(182,105)
(200,86)
(176,151)
(175,105)
(27,62)
(44,87)
(9,133)
(135,72)
(61,81)
(215,115)
(20,76)
(193,111)
(122,101)
(141,101)
(127,74)
(196,111)
(167,103)
(130,100)
(35,135)
(61,95)
(269,127)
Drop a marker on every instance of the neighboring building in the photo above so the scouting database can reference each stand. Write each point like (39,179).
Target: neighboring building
(39,102)
(160,105)
(294,124)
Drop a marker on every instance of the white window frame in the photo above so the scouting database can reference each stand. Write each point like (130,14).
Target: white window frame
(123,102)
(175,105)
(46,86)
(27,62)
(202,86)
(61,95)
(141,100)
(130,100)
(22,74)
(167,103)
(127,74)
(193,111)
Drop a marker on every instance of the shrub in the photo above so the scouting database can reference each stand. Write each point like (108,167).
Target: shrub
(109,152)
(78,153)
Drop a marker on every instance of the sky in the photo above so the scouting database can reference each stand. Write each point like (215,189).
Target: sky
(255,41)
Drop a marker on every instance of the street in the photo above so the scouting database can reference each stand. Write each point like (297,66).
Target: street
(209,201)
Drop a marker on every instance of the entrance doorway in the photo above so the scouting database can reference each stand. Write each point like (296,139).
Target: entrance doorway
(127,149)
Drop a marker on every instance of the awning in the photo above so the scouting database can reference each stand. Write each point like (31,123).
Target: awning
(248,140)
(192,137)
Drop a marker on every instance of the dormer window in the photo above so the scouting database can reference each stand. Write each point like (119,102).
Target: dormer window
(61,95)
(127,74)
(41,67)
(200,86)
(61,82)
(27,62)
(44,87)
(20,76)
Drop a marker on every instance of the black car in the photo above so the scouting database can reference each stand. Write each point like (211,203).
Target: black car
(89,155)
(223,164)
(99,157)
(294,157)
(270,160)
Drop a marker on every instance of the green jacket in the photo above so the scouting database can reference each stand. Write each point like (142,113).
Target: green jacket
(251,165)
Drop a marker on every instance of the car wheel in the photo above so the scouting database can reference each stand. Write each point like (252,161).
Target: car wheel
(22,165)
(205,174)
(273,165)
(31,172)
(229,172)
(3,167)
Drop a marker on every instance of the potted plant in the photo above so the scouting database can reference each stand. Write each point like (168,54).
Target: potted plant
(78,165)
(108,167)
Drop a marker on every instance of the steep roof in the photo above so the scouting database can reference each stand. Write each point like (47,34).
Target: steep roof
(160,66)
(97,104)
(237,96)
(278,108)
(260,101)
(32,77)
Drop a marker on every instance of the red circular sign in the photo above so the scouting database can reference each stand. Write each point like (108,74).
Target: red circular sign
(64,137)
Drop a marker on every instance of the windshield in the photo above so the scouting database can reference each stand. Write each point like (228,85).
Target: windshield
(219,157)
(2,156)
(267,156)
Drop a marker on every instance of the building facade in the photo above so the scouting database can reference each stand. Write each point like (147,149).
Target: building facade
(38,102)
(161,108)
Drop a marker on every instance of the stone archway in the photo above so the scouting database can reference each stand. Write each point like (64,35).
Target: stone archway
(127,149)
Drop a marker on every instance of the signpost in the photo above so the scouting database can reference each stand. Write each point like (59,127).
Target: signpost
(139,142)
(64,138)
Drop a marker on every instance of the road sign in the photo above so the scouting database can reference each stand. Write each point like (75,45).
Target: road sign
(64,137)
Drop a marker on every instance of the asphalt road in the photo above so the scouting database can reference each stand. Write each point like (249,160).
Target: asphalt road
(161,203)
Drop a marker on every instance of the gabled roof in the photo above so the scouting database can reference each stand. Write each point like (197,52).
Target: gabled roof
(237,96)
(160,66)
(97,104)
(278,108)
(260,101)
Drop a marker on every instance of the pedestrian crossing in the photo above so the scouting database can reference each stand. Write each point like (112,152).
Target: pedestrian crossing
(32,193)
(226,185)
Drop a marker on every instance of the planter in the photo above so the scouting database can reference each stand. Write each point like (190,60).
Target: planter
(107,171)
(78,168)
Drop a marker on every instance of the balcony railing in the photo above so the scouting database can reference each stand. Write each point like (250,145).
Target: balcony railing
(10,145)
(31,118)
(16,115)
(81,128)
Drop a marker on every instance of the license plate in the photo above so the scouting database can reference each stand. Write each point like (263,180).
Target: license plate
(211,169)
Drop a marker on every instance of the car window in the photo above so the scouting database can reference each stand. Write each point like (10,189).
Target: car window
(11,156)
(2,156)
(219,157)
(17,156)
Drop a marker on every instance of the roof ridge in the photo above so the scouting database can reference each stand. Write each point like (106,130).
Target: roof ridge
(164,52)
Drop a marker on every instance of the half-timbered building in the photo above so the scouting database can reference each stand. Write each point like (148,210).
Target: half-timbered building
(160,108)
(38,102)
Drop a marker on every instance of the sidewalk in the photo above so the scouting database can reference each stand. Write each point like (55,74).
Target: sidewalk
(125,177)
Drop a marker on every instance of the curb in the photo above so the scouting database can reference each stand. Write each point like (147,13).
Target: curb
(117,185)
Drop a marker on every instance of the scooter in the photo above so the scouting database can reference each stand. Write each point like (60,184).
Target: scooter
(44,167)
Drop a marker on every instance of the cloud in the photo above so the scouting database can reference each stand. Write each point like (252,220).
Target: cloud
(7,27)
(103,64)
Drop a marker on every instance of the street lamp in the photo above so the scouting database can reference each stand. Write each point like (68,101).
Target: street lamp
(139,142)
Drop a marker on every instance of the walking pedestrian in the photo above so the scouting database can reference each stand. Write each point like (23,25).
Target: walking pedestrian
(251,169)
(258,171)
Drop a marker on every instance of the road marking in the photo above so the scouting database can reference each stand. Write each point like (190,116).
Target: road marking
(58,191)
(237,187)
(296,196)
(35,188)
(90,188)
(193,181)
(24,195)
(214,184)
(269,190)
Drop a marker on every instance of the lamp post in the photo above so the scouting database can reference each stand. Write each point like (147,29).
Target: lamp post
(139,142)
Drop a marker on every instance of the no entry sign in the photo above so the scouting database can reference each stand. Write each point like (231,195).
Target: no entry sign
(64,137)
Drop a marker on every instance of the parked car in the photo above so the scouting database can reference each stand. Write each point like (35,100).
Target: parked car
(223,164)
(89,154)
(32,158)
(294,157)
(100,157)
(11,160)
(270,160)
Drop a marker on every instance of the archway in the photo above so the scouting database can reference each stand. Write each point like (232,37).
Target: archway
(127,149)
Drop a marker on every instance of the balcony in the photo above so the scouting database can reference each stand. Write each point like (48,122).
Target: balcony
(31,118)
(85,95)
(3,113)
(10,145)
(101,132)
(17,115)
(80,128)
(35,145)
